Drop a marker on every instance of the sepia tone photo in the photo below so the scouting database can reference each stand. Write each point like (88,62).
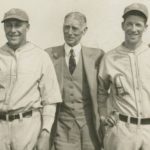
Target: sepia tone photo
(74,75)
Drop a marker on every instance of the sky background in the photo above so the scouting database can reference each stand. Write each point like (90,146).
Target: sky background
(104,19)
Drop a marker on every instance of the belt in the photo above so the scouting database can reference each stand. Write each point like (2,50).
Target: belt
(133,120)
(9,117)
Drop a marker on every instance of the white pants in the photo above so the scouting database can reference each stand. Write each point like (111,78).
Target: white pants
(124,136)
(20,134)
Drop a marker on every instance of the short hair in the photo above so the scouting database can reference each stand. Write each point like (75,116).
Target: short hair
(77,15)
(135,13)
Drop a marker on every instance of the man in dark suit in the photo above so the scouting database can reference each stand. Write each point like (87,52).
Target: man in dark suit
(77,123)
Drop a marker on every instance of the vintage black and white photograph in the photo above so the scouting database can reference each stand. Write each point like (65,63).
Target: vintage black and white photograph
(74,75)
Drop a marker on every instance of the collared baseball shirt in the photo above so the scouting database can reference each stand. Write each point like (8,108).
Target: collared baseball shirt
(127,74)
(27,80)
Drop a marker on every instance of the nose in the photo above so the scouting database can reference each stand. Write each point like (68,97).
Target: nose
(70,30)
(134,28)
(13,29)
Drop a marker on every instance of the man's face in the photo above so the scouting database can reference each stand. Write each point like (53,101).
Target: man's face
(73,30)
(134,26)
(15,31)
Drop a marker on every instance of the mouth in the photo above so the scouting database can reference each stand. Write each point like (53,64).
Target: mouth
(70,38)
(13,37)
(133,35)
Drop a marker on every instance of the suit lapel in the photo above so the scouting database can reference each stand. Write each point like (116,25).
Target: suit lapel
(89,65)
(59,56)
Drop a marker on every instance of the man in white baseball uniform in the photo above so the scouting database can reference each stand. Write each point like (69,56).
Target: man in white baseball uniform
(28,88)
(125,73)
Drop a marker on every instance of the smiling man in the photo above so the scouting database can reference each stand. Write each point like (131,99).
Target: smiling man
(77,123)
(28,88)
(125,72)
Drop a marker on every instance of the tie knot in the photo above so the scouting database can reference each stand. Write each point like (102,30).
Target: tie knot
(72,52)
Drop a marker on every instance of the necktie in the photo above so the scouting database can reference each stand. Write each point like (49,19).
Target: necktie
(72,62)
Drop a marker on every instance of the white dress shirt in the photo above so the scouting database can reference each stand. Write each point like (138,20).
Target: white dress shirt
(77,50)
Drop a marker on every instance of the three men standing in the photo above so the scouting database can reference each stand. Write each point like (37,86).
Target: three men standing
(28,88)
(76,68)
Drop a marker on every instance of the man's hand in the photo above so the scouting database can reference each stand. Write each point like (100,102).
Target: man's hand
(110,120)
(43,141)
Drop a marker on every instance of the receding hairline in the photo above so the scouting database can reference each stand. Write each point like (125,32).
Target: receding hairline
(77,15)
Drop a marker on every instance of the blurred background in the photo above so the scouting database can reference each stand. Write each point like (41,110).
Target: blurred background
(104,19)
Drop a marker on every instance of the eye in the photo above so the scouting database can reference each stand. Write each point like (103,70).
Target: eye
(128,24)
(8,24)
(66,27)
(18,24)
(74,28)
(139,25)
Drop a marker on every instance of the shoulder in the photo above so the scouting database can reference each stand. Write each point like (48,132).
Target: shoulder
(113,52)
(55,52)
(112,55)
(39,52)
(94,53)
(34,49)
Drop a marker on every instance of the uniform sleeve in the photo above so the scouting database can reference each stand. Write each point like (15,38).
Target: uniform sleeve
(48,116)
(103,86)
(48,85)
(50,93)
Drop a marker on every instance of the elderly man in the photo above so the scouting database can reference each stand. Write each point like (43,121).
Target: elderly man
(28,88)
(76,68)
(126,72)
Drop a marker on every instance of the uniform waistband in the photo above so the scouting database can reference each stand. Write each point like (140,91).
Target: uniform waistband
(11,117)
(134,120)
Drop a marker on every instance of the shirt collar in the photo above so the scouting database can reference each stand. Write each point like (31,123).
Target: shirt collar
(76,49)
(27,46)
(142,47)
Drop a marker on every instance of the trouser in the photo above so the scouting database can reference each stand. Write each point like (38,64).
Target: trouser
(127,136)
(20,134)
(76,137)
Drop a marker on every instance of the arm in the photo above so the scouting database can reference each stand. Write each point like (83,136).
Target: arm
(103,86)
(102,97)
(103,94)
(50,95)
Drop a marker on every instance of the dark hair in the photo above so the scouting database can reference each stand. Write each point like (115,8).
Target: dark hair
(135,13)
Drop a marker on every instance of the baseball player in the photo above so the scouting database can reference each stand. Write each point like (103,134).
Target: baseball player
(125,72)
(28,88)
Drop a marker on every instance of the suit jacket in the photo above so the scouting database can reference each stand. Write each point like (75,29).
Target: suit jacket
(91,61)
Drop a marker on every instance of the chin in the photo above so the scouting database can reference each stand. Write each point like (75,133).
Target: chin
(134,42)
(71,44)
(14,41)
(14,44)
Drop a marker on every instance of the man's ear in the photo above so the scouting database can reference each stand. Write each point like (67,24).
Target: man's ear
(122,25)
(85,30)
(146,26)
(28,26)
